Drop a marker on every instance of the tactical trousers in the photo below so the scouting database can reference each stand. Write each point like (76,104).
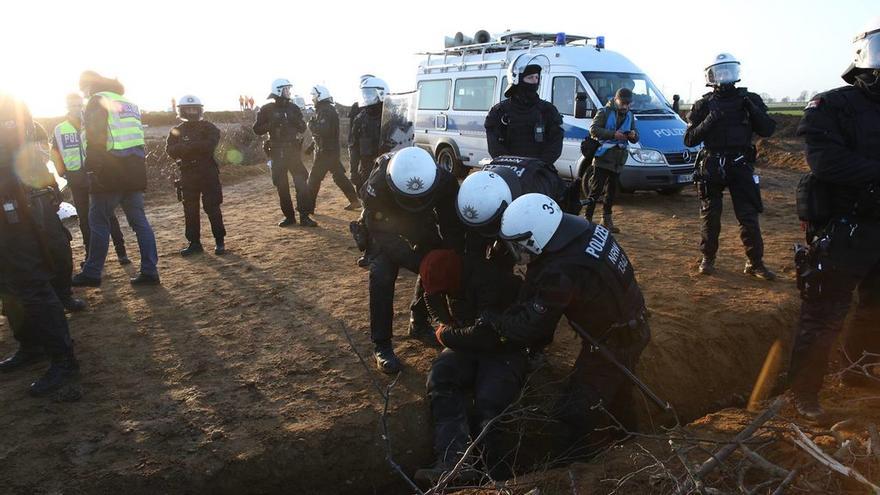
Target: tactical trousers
(81,202)
(364,167)
(36,316)
(388,253)
(206,188)
(62,258)
(495,380)
(601,180)
(287,161)
(330,162)
(746,197)
(852,263)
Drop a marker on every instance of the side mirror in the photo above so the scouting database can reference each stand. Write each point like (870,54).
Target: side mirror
(580,106)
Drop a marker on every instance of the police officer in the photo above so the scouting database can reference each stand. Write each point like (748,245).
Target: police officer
(365,140)
(192,144)
(116,164)
(840,128)
(578,270)
(614,127)
(68,153)
(409,209)
(29,226)
(283,121)
(325,131)
(523,124)
(724,120)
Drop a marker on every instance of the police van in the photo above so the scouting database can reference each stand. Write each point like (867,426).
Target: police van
(458,86)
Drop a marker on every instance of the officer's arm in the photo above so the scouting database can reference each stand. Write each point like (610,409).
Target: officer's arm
(699,124)
(320,124)
(451,229)
(298,121)
(208,141)
(95,124)
(264,120)
(762,123)
(493,128)
(354,145)
(829,153)
(534,319)
(173,146)
(554,135)
(597,127)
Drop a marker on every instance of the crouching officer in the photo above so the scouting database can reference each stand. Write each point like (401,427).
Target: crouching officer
(578,270)
(840,199)
(192,144)
(29,227)
(409,209)
(614,127)
(283,121)
(325,130)
(725,120)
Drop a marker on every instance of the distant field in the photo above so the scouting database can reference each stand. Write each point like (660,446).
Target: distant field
(796,113)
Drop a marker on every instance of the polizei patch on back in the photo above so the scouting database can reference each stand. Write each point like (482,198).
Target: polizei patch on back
(597,242)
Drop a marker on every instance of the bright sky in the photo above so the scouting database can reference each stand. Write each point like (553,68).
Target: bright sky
(218,50)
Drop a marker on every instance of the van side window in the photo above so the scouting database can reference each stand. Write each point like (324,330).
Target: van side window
(565,90)
(476,93)
(434,95)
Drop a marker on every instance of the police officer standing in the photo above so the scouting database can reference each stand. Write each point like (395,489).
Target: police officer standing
(365,138)
(409,209)
(68,152)
(28,227)
(325,131)
(283,121)
(524,124)
(724,120)
(192,144)
(841,202)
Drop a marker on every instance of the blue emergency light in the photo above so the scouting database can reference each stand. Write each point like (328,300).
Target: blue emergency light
(600,42)
(560,39)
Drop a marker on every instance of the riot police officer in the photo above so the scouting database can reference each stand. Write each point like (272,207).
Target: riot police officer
(29,226)
(840,199)
(409,209)
(578,270)
(365,141)
(283,121)
(724,120)
(523,124)
(192,144)
(325,131)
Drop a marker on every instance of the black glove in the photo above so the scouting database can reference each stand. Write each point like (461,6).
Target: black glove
(479,337)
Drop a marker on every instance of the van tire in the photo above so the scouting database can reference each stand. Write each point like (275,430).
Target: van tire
(449,161)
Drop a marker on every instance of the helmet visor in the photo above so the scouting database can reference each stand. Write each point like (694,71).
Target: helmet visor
(190,112)
(520,254)
(726,73)
(868,51)
(369,96)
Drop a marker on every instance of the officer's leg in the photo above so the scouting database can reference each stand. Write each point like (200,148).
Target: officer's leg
(30,347)
(58,238)
(133,206)
(316,175)
(863,335)
(103,206)
(81,203)
(451,375)
(498,384)
(282,185)
(335,167)
(710,217)
(191,220)
(118,239)
(383,275)
(212,198)
(45,314)
(305,203)
(597,186)
(746,199)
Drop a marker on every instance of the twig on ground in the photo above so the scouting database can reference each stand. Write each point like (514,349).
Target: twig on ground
(821,457)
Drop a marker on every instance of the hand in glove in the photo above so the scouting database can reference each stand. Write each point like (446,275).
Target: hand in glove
(479,337)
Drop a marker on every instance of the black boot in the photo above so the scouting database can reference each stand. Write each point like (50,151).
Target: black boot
(707,266)
(386,360)
(144,279)
(60,373)
(608,223)
(305,221)
(291,220)
(21,359)
(759,270)
(193,248)
(220,248)
(591,209)
(808,407)
(81,280)
(123,259)
(73,304)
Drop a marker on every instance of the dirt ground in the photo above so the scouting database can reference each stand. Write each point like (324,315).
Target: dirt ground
(236,375)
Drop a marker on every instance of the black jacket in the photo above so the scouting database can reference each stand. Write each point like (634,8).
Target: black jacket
(283,121)
(325,127)
(192,145)
(725,119)
(365,142)
(513,125)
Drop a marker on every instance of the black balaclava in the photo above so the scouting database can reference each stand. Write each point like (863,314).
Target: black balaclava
(528,93)
(869,82)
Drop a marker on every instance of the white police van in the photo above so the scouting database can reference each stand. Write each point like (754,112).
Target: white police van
(459,85)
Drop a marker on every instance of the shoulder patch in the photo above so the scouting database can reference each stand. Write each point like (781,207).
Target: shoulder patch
(814,103)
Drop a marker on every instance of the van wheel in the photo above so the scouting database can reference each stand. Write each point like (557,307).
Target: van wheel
(447,160)
(669,191)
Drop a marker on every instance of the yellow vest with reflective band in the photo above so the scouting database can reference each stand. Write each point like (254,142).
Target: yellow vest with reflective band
(70,146)
(124,128)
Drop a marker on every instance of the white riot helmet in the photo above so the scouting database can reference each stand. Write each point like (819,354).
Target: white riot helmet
(373,91)
(724,69)
(867,52)
(528,224)
(516,70)
(483,197)
(320,93)
(190,108)
(278,89)
(366,76)
(412,175)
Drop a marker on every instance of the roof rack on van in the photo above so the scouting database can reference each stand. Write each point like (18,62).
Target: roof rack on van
(506,42)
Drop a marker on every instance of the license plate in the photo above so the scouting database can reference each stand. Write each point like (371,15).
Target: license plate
(685,179)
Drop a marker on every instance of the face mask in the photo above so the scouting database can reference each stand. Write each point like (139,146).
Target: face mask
(869,81)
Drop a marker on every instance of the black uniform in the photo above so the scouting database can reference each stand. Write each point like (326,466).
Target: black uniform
(399,238)
(525,125)
(325,131)
(30,233)
(365,142)
(537,176)
(192,144)
(283,121)
(585,276)
(842,133)
(724,120)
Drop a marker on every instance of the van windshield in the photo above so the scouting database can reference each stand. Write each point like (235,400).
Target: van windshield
(647,99)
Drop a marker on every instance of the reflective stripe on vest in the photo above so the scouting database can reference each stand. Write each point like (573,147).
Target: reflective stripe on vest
(124,128)
(70,145)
